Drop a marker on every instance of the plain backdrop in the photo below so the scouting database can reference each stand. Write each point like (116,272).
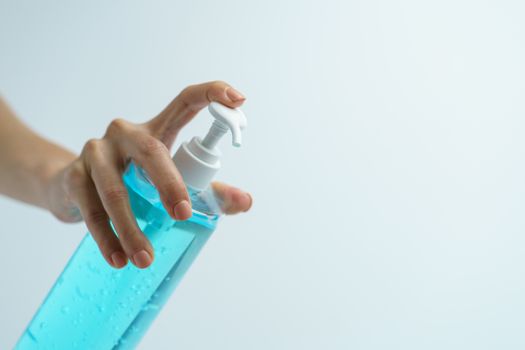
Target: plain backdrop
(385,153)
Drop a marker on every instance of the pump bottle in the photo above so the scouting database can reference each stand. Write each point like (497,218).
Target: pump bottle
(94,306)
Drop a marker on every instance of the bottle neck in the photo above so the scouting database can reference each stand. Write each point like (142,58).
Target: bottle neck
(217,131)
(197,164)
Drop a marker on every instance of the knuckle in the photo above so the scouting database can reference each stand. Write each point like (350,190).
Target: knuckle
(114,194)
(137,244)
(75,177)
(130,236)
(133,241)
(187,89)
(171,185)
(185,94)
(96,217)
(92,146)
(105,243)
(104,247)
(92,150)
(215,88)
(218,84)
(116,127)
(173,191)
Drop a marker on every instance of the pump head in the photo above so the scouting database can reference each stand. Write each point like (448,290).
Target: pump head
(198,160)
(227,118)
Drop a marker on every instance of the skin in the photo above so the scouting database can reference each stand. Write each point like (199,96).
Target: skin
(89,186)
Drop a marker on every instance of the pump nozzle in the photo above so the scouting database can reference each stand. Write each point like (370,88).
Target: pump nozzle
(198,160)
(225,118)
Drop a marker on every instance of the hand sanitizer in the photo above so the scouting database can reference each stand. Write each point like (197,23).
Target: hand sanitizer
(94,306)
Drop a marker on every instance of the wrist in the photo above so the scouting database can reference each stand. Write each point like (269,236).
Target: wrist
(47,179)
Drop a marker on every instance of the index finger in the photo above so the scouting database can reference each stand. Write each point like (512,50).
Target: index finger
(187,104)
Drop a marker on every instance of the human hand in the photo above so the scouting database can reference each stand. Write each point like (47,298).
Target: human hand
(91,187)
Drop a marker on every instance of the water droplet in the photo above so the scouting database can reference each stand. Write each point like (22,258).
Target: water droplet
(82,294)
(101,308)
(93,268)
(65,310)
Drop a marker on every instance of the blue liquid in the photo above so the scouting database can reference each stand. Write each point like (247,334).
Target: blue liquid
(94,306)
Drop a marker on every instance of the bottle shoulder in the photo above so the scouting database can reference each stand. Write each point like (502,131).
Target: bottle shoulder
(145,199)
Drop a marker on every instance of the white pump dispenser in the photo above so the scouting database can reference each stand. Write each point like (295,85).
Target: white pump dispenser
(198,160)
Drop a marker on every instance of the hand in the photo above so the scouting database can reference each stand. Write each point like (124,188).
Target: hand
(91,187)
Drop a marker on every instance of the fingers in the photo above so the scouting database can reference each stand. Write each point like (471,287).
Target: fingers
(114,197)
(187,104)
(102,197)
(199,96)
(153,156)
(97,221)
(233,199)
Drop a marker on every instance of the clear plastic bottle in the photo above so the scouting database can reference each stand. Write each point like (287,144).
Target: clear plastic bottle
(94,306)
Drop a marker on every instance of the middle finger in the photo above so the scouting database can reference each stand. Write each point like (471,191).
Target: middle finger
(114,197)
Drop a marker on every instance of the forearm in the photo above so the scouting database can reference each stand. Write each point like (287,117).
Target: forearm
(27,160)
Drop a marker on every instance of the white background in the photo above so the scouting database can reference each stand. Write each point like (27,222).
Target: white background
(385,154)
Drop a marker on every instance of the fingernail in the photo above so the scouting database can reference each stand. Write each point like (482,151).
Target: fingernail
(250,200)
(234,95)
(142,259)
(119,259)
(182,210)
